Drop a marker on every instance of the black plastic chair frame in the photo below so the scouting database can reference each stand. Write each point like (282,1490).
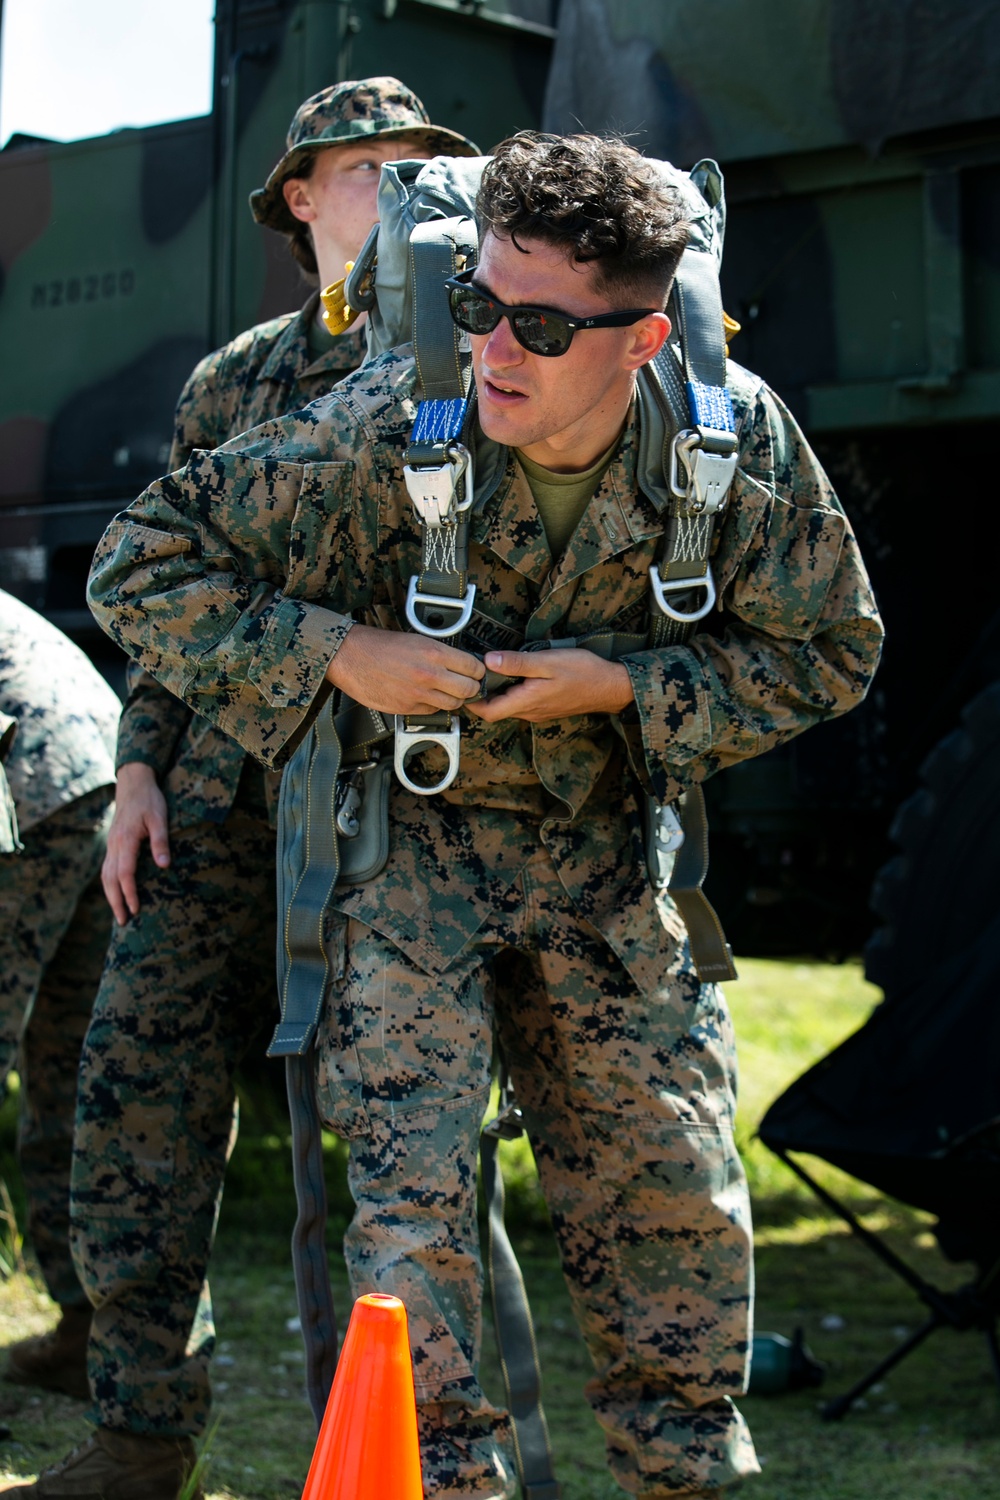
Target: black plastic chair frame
(975,1305)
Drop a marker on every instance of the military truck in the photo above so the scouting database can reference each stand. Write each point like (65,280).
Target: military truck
(860,141)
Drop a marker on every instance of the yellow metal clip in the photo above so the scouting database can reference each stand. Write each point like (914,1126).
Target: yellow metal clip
(337,316)
(730,328)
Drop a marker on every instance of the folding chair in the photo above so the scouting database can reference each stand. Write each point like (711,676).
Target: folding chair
(911,1105)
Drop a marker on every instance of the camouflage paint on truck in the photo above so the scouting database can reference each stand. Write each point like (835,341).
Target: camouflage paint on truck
(127,257)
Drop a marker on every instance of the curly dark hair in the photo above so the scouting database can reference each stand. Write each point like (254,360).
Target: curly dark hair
(594,196)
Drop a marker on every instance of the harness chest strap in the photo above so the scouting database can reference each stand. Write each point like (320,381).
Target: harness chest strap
(439,480)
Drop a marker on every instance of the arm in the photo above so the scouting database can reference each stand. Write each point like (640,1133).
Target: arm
(799,641)
(204,580)
(140,814)
(151,724)
(799,636)
(153,719)
(189,582)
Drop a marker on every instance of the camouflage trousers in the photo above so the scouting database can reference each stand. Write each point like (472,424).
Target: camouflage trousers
(629,1101)
(188,984)
(54,926)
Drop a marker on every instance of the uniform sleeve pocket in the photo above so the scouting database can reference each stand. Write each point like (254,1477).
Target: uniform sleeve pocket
(787,570)
(320,529)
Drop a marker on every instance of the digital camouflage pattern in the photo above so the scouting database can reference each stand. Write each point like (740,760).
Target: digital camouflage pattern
(653,1223)
(58,718)
(54,928)
(66,715)
(188,985)
(234,582)
(346,112)
(264,372)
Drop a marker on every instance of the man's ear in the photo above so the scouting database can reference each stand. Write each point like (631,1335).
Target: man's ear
(299,199)
(648,337)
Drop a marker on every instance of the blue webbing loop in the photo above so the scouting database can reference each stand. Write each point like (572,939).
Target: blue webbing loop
(711,406)
(439,421)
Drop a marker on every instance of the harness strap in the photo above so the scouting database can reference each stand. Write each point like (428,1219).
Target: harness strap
(307,853)
(698,463)
(434,256)
(710,952)
(515,1332)
(698,304)
(439,601)
(313,1293)
(307,867)
(308,864)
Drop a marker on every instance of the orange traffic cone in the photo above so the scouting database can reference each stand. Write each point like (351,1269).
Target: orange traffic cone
(367,1446)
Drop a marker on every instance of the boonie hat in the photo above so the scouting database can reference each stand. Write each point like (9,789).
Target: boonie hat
(351,111)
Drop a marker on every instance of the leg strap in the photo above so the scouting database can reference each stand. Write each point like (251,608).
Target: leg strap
(711,954)
(312,1272)
(515,1331)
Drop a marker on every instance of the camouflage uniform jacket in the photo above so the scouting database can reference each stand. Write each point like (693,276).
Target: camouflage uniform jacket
(234,581)
(65,712)
(264,372)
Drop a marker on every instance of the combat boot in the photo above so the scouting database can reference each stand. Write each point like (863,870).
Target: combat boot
(117,1466)
(57,1360)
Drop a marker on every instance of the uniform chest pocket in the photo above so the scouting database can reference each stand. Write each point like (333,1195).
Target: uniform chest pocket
(785,574)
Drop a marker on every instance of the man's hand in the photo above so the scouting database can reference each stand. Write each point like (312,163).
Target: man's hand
(555,684)
(140,814)
(395,672)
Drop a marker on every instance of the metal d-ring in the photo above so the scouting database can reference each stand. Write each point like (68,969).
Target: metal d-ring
(409,740)
(661,588)
(438,601)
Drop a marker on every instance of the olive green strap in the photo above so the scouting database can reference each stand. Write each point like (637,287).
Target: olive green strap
(515,1332)
(712,955)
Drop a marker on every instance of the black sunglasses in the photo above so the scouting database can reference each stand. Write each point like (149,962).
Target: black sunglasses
(540,330)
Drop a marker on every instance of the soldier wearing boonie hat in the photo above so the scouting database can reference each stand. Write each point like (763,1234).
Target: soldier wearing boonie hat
(350,112)
(190,875)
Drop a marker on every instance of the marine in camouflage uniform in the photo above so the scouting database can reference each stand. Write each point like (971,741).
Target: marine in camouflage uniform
(59,719)
(518,898)
(188,984)
(189,979)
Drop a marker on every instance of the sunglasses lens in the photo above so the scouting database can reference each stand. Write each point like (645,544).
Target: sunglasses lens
(472,311)
(542,333)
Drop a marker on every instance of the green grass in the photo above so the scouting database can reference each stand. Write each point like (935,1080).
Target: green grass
(932,1432)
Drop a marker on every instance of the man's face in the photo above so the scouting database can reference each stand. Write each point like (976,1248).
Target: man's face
(340,197)
(563,412)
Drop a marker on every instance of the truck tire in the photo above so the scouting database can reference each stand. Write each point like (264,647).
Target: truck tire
(937,894)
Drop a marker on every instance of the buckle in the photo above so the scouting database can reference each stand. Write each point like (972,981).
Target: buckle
(662,587)
(698,475)
(507,1124)
(438,601)
(433,487)
(409,742)
(349,798)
